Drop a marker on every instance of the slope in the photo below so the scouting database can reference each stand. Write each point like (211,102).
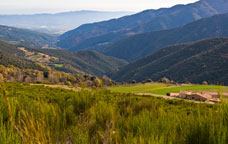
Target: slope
(204,60)
(10,55)
(88,61)
(138,46)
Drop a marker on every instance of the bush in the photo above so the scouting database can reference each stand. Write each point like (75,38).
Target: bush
(164,80)
(149,80)
(205,83)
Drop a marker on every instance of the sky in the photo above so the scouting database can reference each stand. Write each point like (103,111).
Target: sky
(54,6)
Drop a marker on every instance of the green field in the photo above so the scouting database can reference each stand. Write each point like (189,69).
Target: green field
(35,57)
(163,89)
(139,88)
(54,58)
(59,65)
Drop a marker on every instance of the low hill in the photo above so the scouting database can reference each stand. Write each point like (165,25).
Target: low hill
(26,37)
(10,55)
(195,62)
(90,62)
(146,21)
(83,62)
(144,44)
(16,67)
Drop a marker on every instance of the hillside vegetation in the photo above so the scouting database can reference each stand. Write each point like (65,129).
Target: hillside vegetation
(90,62)
(141,45)
(26,37)
(11,55)
(103,34)
(204,60)
(38,114)
(84,62)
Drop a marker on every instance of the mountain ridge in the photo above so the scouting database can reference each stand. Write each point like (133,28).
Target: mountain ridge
(151,20)
(140,45)
(195,62)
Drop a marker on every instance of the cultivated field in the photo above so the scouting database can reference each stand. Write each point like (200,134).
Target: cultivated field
(163,89)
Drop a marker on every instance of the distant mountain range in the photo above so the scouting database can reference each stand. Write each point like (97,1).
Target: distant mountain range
(204,60)
(59,22)
(26,37)
(141,45)
(103,34)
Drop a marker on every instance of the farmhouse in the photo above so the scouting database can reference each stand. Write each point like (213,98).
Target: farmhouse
(197,96)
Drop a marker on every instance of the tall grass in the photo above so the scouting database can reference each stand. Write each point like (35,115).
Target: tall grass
(36,114)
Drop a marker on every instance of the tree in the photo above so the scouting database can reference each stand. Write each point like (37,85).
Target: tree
(46,74)
(149,80)
(68,83)
(133,81)
(1,78)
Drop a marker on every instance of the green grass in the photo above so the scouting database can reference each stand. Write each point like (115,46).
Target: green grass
(138,88)
(38,114)
(59,65)
(163,89)
(54,58)
(36,57)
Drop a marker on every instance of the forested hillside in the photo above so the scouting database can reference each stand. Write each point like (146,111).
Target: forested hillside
(103,34)
(11,55)
(204,60)
(84,62)
(144,44)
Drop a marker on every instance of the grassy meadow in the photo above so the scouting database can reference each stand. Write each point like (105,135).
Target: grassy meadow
(163,89)
(38,114)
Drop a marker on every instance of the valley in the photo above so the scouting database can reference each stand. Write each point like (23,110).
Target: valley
(156,76)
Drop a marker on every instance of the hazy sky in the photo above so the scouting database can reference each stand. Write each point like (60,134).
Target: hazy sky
(40,6)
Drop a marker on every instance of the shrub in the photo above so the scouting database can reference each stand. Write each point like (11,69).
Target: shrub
(205,83)
(164,80)
(149,80)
